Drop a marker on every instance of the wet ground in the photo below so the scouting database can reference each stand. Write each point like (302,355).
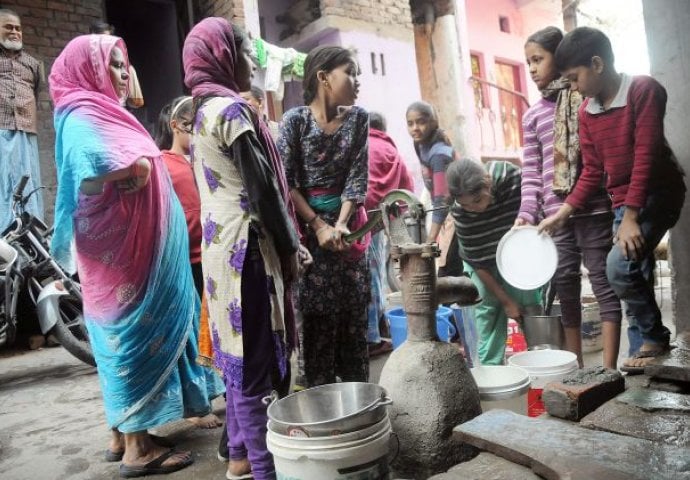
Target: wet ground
(52,424)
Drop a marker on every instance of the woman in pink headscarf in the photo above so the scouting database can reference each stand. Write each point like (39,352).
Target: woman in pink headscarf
(115,204)
(249,247)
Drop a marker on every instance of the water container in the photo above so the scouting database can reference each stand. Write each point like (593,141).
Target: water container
(328,458)
(398,325)
(502,387)
(466,326)
(543,366)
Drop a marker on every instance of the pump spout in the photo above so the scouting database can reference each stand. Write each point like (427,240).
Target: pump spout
(458,290)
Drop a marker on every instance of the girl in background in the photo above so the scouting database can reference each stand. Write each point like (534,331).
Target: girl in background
(551,166)
(173,134)
(435,154)
(324,148)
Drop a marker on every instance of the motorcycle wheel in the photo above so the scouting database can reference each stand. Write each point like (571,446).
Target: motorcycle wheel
(70,330)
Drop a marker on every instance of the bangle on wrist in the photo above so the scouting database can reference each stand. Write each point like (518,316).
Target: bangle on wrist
(311,220)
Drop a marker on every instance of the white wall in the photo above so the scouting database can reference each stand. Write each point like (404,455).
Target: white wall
(668,39)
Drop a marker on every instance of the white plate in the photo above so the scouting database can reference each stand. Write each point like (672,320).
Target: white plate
(525,258)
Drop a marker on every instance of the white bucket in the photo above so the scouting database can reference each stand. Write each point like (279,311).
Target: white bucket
(592,340)
(299,458)
(502,387)
(543,366)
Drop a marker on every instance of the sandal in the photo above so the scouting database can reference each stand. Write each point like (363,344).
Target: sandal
(655,352)
(154,467)
(111,456)
(381,348)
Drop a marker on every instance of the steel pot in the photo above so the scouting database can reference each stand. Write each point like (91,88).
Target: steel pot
(331,409)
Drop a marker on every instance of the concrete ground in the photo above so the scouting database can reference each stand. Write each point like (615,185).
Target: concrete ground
(52,424)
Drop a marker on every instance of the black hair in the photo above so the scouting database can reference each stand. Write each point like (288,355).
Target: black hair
(163,134)
(427,111)
(257,93)
(579,46)
(326,58)
(99,26)
(547,38)
(377,121)
(465,177)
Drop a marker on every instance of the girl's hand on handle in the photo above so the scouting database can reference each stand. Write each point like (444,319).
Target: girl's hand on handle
(327,237)
(341,230)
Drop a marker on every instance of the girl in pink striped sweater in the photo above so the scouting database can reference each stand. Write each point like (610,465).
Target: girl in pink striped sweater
(551,165)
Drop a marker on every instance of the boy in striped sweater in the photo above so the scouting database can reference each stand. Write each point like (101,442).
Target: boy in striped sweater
(622,140)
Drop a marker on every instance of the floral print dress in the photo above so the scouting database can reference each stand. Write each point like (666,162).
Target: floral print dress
(226,218)
(334,292)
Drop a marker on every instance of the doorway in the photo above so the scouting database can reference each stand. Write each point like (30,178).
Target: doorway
(154,32)
(510,105)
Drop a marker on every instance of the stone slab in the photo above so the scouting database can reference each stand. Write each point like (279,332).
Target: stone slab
(674,366)
(651,400)
(486,466)
(667,426)
(582,392)
(668,385)
(682,340)
(557,451)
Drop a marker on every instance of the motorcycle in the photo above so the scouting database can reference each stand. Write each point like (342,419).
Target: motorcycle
(26,265)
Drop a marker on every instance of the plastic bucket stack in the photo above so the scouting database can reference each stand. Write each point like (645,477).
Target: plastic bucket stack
(503,387)
(543,366)
(331,432)
(398,325)
(362,455)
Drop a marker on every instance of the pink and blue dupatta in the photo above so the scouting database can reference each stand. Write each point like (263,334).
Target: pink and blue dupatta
(131,249)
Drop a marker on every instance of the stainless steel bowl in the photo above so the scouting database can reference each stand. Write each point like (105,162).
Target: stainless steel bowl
(543,331)
(330,409)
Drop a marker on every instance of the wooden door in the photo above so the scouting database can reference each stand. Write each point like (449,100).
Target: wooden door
(510,105)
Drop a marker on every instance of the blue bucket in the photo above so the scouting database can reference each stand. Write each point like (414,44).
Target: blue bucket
(398,325)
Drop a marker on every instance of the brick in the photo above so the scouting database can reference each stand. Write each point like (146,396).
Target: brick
(582,392)
(60,6)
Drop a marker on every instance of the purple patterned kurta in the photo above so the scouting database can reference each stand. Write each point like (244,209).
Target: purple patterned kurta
(225,220)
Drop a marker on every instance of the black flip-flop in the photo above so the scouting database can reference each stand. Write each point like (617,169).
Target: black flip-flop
(154,467)
(111,456)
(653,353)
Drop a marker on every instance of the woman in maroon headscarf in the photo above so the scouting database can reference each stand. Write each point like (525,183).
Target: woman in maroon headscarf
(249,246)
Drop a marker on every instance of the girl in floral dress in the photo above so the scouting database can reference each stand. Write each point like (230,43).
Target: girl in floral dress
(249,245)
(324,146)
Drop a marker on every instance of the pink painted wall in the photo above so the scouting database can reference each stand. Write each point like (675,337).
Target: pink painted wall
(486,38)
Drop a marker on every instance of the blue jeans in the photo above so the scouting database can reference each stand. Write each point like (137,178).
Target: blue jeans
(633,280)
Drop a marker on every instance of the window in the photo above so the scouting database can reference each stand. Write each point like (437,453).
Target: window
(504,24)
(376,69)
(481,94)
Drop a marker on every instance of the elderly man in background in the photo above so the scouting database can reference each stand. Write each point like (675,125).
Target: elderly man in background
(20,79)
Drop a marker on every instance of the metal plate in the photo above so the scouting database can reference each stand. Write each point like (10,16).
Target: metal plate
(526,259)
